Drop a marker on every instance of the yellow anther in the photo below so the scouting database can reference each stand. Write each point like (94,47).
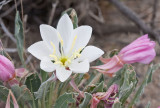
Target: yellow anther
(58,62)
(54,48)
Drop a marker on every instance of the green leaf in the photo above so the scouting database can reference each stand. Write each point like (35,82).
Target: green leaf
(22,94)
(63,87)
(79,78)
(73,15)
(117,78)
(126,79)
(98,88)
(147,79)
(86,100)
(44,75)
(113,53)
(43,88)
(64,100)
(129,83)
(33,82)
(3,93)
(117,105)
(19,36)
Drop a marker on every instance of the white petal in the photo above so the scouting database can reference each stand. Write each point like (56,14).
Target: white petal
(47,65)
(65,28)
(91,53)
(39,50)
(81,67)
(83,34)
(49,34)
(62,74)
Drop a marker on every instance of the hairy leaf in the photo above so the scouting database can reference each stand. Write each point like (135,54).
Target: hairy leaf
(19,36)
(22,94)
(128,85)
(86,100)
(3,93)
(117,105)
(147,79)
(43,88)
(64,100)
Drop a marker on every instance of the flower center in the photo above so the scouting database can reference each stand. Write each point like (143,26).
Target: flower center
(65,60)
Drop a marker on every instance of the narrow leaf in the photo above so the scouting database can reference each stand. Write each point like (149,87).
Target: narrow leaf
(64,100)
(43,88)
(86,100)
(147,79)
(117,105)
(98,88)
(19,36)
(73,15)
(3,93)
(129,82)
(22,94)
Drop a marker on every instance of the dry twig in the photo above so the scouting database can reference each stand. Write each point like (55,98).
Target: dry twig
(155,5)
(9,10)
(54,5)
(7,31)
(4,2)
(131,15)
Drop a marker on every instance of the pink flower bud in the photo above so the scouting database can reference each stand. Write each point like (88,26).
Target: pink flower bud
(7,70)
(141,50)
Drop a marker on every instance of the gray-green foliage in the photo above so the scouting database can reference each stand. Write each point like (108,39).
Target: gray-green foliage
(117,105)
(43,88)
(86,100)
(19,35)
(73,15)
(64,100)
(3,93)
(147,79)
(129,82)
(22,94)
(126,79)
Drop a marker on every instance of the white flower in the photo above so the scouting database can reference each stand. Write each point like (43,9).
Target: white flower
(63,49)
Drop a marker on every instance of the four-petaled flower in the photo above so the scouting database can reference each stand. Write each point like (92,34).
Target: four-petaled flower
(64,49)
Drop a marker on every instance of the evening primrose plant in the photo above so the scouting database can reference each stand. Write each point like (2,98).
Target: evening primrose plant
(65,79)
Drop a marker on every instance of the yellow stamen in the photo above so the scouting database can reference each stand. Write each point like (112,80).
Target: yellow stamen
(54,48)
(76,54)
(73,43)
